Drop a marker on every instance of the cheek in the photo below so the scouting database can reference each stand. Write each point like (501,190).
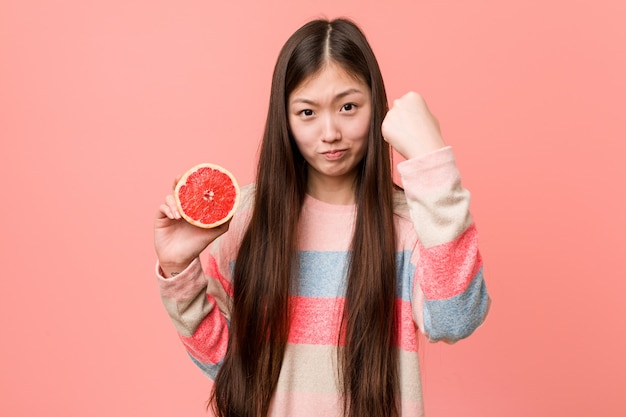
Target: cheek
(302,136)
(359,130)
(303,133)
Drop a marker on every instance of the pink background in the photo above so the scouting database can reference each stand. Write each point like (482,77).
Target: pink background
(102,103)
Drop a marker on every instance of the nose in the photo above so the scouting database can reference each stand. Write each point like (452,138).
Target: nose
(330,129)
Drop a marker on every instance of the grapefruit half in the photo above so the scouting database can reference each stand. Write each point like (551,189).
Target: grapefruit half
(207,195)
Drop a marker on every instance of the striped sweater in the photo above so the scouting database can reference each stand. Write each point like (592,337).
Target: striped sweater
(440,288)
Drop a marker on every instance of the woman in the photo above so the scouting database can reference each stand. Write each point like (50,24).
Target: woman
(310,303)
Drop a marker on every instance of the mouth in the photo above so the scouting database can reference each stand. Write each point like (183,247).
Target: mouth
(334,154)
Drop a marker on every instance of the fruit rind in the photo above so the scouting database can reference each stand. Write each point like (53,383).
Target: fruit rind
(183,181)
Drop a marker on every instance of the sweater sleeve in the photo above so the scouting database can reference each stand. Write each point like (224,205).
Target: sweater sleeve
(199,301)
(450,298)
(197,304)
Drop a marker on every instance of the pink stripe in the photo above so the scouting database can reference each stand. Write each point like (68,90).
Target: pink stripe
(213,271)
(208,344)
(446,270)
(315,320)
(408,329)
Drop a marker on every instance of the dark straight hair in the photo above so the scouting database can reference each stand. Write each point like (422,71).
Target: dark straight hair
(267,258)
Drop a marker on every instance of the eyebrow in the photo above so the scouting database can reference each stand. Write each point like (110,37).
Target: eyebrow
(338,96)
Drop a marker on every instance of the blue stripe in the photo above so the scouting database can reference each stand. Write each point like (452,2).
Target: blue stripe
(323,274)
(209,369)
(405,272)
(457,317)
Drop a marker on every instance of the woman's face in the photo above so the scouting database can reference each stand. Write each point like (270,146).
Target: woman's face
(329,116)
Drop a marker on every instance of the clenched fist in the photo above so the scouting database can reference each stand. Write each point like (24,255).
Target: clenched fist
(410,128)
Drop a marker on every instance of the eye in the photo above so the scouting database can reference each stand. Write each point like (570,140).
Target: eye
(306,112)
(348,107)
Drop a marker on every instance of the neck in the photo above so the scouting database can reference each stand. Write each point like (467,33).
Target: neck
(332,190)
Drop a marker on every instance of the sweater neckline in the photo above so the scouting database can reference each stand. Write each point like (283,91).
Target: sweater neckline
(312,203)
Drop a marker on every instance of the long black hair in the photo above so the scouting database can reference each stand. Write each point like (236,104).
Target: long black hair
(263,271)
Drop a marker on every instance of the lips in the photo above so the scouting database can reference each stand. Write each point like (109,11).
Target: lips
(334,154)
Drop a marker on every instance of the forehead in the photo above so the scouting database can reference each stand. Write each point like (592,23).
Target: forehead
(332,79)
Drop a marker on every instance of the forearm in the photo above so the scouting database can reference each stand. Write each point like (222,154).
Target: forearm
(193,301)
(450,295)
(184,296)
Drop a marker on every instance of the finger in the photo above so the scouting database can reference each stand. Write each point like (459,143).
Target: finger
(169,208)
(173,207)
(165,212)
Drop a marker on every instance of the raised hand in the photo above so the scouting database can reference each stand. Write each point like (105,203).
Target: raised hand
(410,128)
(177,242)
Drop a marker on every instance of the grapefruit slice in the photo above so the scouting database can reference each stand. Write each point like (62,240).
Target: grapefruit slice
(207,195)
